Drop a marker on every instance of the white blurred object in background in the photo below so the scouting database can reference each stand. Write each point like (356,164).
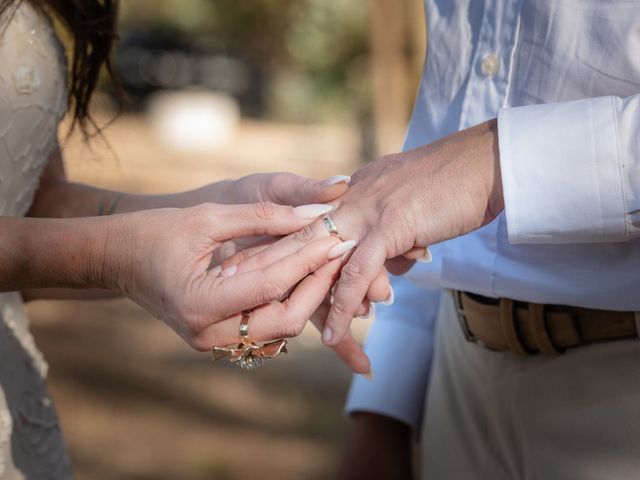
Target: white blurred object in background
(193,120)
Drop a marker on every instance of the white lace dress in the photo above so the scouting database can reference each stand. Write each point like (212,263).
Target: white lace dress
(32,102)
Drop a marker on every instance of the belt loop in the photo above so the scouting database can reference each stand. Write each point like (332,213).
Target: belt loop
(462,318)
(539,330)
(508,327)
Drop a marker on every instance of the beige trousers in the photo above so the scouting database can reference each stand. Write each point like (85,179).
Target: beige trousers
(497,416)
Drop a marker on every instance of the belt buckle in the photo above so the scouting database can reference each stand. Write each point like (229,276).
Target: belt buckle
(462,318)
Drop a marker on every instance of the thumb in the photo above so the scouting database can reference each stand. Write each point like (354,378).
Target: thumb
(296,190)
(232,221)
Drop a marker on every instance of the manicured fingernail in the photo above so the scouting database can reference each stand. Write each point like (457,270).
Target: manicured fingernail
(312,211)
(390,298)
(215,271)
(341,249)
(327,335)
(336,179)
(427,257)
(366,316)
(229,272)
(368,375)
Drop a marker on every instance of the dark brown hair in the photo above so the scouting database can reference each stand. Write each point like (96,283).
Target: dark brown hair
(93,27)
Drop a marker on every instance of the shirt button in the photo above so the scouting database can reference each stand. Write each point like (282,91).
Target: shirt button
(490,65)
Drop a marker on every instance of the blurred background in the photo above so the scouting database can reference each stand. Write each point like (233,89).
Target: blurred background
(218,89)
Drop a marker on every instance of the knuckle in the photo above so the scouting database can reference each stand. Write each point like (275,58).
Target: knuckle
(264,210)
(271,290)
(397,234)
(236,258)
(192,326)
(307,187)
(293,328)
(270,188)
(207,210)
(350,273)
(304,235)
(260,259)
(390,214)
(201,344)
(340,309)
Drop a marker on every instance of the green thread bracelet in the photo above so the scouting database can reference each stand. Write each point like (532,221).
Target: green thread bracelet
(112,208)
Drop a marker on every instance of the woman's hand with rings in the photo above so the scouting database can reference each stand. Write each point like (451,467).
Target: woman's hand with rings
(349,350)
(162,259)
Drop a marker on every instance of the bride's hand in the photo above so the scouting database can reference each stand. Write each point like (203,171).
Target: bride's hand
(162,259)
(348,350)
(281,188)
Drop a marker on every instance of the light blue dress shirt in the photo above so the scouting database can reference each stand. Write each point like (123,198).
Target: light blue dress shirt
(563,78)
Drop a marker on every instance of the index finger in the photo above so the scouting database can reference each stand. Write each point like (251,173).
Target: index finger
(348,350)
(232,221)
(355,278)
(249,289)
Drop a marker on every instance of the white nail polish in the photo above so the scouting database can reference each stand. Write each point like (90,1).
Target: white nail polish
(368,375)
(390,298)
(229,272)
(327,335)
(427,258)
(312,210)
(336,179)
(341,249)
(215,271)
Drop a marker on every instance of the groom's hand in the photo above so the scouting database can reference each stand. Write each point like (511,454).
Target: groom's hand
(402,203)
(415,199)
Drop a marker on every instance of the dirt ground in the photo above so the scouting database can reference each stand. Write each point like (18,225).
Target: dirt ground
(137,403)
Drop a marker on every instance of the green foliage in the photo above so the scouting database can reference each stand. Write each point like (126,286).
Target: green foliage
(314,52)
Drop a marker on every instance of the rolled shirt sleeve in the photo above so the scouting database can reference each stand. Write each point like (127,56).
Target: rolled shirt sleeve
(571,171)
(400,346)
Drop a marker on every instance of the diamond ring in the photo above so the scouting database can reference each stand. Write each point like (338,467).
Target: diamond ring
(329,224)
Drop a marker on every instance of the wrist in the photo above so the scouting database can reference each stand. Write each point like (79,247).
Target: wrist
(378,447)
(495,203)
(60,253)
(110,261)
(373,424)
(221,192)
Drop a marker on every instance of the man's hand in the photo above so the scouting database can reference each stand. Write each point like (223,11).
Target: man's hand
(379,448)
(415,199)
(397,205)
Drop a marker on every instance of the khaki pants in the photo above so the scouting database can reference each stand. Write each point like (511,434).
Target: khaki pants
(498,416)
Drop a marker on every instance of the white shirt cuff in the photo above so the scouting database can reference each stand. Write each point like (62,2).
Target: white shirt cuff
(562,172)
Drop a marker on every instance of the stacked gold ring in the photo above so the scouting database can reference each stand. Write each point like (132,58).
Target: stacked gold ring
(244,323)
(247,354)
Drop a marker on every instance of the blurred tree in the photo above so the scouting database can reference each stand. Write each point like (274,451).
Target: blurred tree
(310,55)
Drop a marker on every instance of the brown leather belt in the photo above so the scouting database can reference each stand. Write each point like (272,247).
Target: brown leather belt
(527,328)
